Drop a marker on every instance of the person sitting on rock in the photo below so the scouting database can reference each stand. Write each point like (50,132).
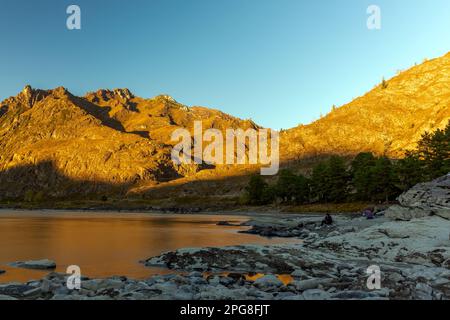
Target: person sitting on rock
(369,213)
(328,220)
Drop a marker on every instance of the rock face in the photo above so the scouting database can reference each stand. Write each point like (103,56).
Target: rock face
(424,199)
(44,264)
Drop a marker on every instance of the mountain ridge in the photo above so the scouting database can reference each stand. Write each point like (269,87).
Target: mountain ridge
(396,111)
(52,139)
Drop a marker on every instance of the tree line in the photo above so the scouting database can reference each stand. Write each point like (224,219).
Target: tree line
(365,178)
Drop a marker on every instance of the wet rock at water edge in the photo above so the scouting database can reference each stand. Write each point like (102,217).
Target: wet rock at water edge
(44,264)
(227,224)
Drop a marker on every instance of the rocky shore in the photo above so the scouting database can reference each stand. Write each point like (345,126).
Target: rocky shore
(412,256)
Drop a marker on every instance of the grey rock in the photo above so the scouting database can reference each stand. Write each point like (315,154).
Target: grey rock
(15,290)
(222,293)
(226,281)
(348,229)
(397,212)
(395,277)
(214,280)
(316,294)
(67,297)
(310,283)
(267,282)
(133,296)
(198,281)
(334,234)
(354,294)
(294,297)
(44,264)
(195,274)
(299,274)
(424,199)
(424,292)
(102,284)
(165,287)
(284,295)
(32,293)
(63,290)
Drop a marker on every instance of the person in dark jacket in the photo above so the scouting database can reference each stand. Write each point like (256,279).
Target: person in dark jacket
(328,220)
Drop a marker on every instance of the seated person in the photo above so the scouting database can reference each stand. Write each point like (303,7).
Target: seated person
(328,220)
(369,213)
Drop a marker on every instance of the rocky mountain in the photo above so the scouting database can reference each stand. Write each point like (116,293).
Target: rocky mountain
(111,141)
(55,142)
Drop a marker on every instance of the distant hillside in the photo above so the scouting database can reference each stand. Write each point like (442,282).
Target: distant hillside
(387,120)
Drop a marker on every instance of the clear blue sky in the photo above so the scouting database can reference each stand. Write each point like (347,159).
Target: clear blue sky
(279,62)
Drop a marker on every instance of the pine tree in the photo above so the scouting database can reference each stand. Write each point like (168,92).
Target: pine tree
(361,174)
(292,188)
(319,181)
(384,84)
(434,150)
(337,179)
(258,191)
(383,184)
(409,172)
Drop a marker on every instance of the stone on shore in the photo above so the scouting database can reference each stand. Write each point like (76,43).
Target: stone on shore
(15,290)
(268,282)
(310,284)
(316,294)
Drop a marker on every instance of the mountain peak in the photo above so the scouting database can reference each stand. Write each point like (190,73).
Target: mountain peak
(165,97)
(27,90)
(115,94)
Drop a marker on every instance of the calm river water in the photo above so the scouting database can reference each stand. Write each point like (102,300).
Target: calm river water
(107,244)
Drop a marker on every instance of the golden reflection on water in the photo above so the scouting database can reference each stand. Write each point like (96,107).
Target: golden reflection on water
(107,244)
(285,278)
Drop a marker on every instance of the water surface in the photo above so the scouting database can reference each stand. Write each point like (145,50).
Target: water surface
(106,244)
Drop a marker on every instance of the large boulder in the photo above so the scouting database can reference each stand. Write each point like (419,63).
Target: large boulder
(424,199)
(397,212)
